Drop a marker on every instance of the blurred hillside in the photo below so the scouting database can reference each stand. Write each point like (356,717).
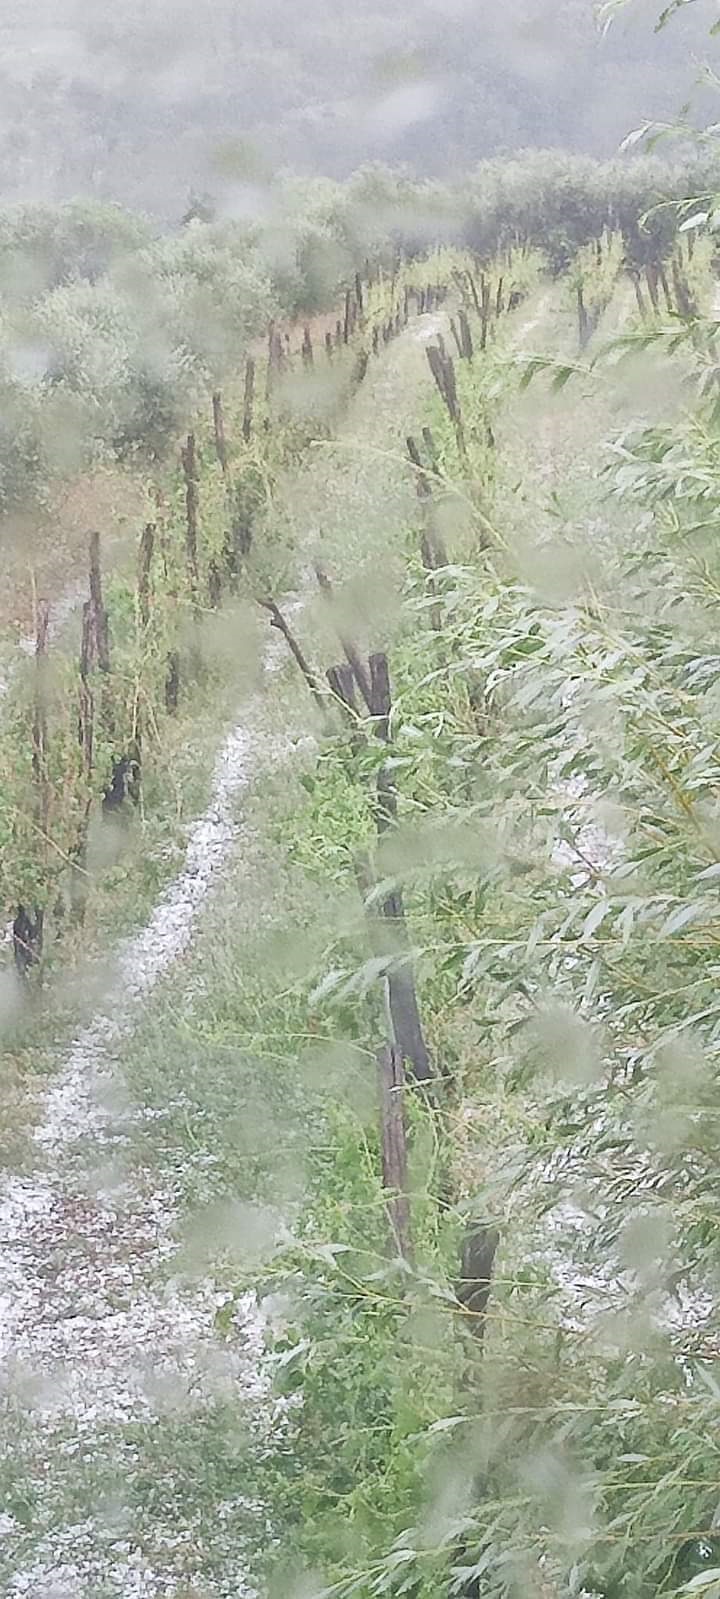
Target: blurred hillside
(143,102)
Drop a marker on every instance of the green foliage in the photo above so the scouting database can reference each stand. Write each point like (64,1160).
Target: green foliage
(560,203)
(365,1360)
(422,86)
(44,247)
(557,843)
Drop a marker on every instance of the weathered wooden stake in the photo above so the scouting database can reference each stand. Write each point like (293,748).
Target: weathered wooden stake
(683,297)
(172,683)
(270,374)
(27,933)
(652,279)
(584,323)
(189,463)
(278,620)
(145,560)
(639,296)
(466,341)
(28,925)
(443,371)
(402,994)
(359,373)
(474,293)
(249,399)
(479,1249)
(40,733)
(665,286)
(432,544)
(485,311)
(100,616)
(422,481)
(350,649)
(219,426)
(389,937)
(393,1133)
(86,740)
(86,723)
(431,447)
(341,682)
(214,586)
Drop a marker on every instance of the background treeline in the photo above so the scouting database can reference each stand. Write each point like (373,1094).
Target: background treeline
(134,105)
(111,334)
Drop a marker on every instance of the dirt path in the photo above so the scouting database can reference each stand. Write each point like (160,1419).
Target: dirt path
(91,1321)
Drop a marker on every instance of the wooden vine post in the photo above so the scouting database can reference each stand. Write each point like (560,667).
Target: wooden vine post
(279,621)
(359,297)
(474,293)
(443,371)
(86,722)
(307,352)
(94,656)
(99,614)
(393,1133)
(408,1049)
(652,279)
(172,683)
(683,296)
(665,286)
(219,429)
(584,320)
(86,740)
(350,649)
(466,340)
(639,296)
(146,553)
(192,503)
(145,560)
(408,1035)
(485,311)
(432,544)
(29,923)
(248,399)
(40,730)
(269,376)
(479,1249)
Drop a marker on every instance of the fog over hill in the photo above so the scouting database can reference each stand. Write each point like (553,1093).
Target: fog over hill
(141,102)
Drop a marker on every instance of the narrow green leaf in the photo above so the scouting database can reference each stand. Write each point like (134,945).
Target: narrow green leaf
(595,919)
(681,918)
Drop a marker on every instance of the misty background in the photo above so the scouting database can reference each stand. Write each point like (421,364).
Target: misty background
(144,102)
